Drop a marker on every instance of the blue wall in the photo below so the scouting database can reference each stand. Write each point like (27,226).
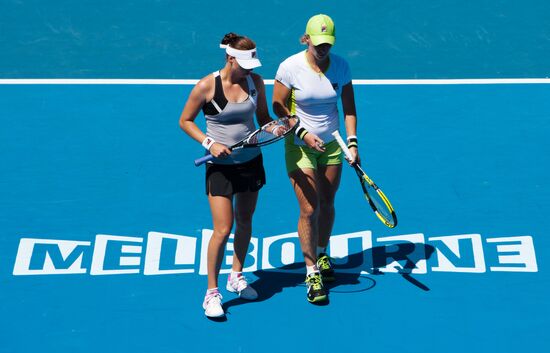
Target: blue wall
(178,39)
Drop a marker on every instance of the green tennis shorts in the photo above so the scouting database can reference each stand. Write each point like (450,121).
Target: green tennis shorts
(303,157)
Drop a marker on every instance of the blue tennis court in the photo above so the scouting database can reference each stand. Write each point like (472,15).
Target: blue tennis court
(104,221)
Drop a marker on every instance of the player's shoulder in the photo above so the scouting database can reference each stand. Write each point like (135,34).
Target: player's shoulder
(258,80)
(294,60)
(205,84)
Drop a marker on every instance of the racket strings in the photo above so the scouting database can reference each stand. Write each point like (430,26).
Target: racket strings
(261,137)
(381,203)
(272,131)
(278,127)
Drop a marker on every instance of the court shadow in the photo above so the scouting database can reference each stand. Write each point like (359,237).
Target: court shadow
(271,282)
(355,275)
(406,255)
(217,319)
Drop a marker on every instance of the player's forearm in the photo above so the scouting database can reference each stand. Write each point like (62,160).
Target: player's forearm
(350,122)
(192,130)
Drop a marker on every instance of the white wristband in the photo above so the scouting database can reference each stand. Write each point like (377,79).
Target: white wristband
(351,137)
(207,143)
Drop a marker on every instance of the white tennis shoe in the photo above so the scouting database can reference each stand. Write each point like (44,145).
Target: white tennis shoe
(238,284)
(212,305)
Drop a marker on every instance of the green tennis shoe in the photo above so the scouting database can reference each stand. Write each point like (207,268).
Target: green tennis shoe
(315,290)
(325,266)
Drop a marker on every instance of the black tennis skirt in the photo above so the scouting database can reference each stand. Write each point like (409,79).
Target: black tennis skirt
(229,179)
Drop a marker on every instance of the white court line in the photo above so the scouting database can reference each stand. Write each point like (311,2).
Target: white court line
(93,81)
(461,81)
(480,81)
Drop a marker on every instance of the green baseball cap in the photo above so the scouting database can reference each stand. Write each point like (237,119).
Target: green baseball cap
(321,29)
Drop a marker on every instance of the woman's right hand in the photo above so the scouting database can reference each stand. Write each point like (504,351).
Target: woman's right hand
(219,151)
(313,141)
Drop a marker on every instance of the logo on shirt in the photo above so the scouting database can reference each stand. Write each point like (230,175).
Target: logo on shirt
(253,93)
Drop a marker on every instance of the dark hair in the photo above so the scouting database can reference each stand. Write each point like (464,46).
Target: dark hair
(238,42)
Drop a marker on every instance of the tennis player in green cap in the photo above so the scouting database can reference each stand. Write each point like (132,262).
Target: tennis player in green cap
(309,84)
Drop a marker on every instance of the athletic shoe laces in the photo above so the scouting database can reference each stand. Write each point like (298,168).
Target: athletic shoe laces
(314,281)
(212,299)
(324,263)
(240,283)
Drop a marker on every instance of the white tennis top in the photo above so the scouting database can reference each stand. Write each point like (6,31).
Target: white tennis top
(314,96)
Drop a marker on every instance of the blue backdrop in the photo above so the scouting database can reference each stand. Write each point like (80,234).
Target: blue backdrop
(179,39)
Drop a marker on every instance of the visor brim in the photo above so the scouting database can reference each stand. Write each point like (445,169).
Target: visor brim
(249,64)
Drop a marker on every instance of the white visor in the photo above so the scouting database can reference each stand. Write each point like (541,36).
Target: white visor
(247,59)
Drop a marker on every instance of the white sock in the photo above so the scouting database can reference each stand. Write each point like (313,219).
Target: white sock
(235,274)
(321,250)
(311,269)
(212,290)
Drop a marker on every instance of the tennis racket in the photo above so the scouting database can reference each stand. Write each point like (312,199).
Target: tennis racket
(267,134)
(376,198)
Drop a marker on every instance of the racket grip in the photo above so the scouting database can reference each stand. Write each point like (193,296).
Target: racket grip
(343,146)
(203,159)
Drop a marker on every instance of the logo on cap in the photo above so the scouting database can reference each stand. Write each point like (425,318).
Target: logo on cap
(323,28)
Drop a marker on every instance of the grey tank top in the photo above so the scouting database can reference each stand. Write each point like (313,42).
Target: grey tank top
(233,123)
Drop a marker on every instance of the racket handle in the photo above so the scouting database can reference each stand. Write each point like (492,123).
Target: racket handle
(203,159)
(343,146)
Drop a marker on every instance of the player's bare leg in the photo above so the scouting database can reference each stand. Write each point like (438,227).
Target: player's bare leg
(304,183)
